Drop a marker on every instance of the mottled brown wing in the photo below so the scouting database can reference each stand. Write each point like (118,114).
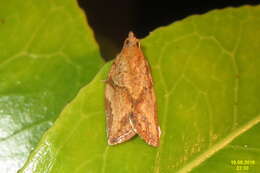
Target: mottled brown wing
(144,118)
(118,110)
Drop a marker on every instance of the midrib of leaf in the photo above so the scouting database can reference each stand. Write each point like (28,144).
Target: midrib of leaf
(218,146)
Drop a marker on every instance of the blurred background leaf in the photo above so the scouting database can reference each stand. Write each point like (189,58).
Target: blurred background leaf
(47,54)
(205,71)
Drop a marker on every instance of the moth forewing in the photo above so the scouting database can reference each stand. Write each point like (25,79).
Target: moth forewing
(144,117)
(118,126)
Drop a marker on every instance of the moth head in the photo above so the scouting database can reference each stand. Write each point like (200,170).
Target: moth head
(131,41)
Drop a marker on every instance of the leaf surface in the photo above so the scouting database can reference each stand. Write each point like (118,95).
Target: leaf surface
(47,54)
(205,70)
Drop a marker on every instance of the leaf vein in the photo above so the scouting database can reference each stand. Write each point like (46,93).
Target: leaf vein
(218,146)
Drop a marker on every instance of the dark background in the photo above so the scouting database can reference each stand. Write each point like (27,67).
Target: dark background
(111,20)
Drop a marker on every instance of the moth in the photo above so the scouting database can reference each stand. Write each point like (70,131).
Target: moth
(130,100)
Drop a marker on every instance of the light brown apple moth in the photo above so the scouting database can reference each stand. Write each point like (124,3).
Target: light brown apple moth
(129,97)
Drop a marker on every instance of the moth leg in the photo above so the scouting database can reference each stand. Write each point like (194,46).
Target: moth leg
(118,109)
(144,118)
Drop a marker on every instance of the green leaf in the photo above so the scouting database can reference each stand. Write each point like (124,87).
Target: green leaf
(47,54)
(205,74)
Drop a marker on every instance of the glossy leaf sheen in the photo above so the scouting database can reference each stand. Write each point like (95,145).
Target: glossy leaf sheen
(205,70)
(47,54)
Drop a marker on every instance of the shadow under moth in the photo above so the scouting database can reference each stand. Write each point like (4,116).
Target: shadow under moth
(130,101)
